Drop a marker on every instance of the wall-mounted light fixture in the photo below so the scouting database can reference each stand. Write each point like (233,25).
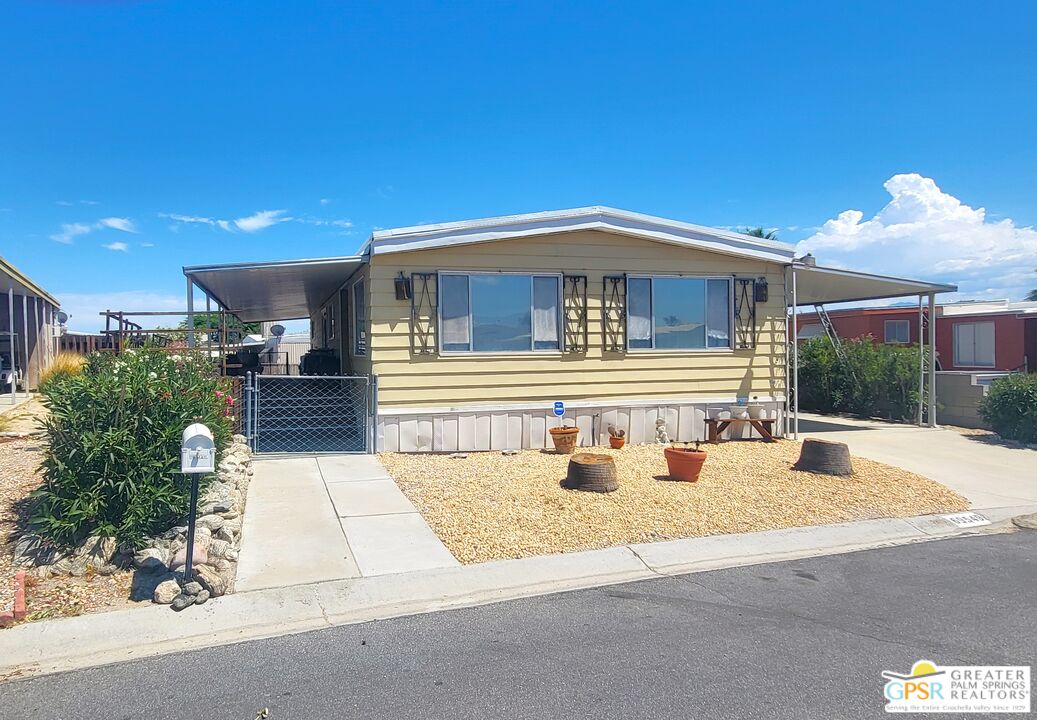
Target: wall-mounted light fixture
(402,287)
(760,290)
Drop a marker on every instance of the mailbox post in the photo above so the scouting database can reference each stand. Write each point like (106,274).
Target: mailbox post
(197,457)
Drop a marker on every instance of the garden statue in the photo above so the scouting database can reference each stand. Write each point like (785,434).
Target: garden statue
(661,435)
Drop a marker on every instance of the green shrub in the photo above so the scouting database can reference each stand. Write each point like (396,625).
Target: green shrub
(1011,407)
(874,380)
(112,462)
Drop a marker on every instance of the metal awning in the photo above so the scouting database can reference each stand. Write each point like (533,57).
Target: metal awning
(822,286)
(281,290)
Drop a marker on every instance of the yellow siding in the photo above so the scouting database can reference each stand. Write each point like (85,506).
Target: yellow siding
(416,381)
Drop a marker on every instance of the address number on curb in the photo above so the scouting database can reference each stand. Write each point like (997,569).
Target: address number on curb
(966,519)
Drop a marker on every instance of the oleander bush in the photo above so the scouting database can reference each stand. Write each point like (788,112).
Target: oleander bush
(874,380)
(112,462)
(1011,407)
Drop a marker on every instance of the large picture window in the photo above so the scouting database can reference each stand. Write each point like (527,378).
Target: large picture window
(678,313)
(499,312)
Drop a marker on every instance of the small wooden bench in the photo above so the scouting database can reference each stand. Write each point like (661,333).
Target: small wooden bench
(715,428)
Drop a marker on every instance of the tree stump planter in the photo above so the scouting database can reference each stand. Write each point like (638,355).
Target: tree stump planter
(594,473)
(564,439)
(684,463)
(824,457)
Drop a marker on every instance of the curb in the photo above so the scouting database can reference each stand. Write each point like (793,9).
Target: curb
(72,643)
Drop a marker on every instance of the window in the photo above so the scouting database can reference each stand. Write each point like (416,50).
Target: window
(812,330)
(499,312)
(974,344)
(897,332)
(359,319)
(678,313)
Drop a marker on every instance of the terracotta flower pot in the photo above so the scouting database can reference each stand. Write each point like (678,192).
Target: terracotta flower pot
(617,442)
(564,439)
(684,463)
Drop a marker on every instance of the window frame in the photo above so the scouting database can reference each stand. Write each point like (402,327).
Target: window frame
(885,331)
(729,279)
(471,326)
(993,349)
(353,345)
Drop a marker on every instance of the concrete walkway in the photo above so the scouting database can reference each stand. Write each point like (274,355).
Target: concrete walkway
(314,519)
(990,475)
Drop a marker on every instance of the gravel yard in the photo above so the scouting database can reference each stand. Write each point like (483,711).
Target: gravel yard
(53,597)
(490,506)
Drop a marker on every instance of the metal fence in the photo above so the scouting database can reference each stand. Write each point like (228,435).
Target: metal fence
(292,414)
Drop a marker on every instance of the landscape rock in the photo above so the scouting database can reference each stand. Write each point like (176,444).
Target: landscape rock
(149,560)
(201,597)
(99,550)
(1027,522)
(210,580)
(182,601)
(212,522)
(33,550)
(219,548)
(199,557)
(192,588)
(166,591)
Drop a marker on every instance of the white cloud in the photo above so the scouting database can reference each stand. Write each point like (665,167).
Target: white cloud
(117,223)
(252,223)
(926,233)
(255,222)
(325,201)
(117,246)
(69,231)
(147,244)
(85,308)
(70,203)
(261,220)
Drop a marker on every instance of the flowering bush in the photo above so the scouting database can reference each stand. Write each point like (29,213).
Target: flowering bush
(112,465)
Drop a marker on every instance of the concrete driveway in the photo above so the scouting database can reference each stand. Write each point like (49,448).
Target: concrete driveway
(989,474)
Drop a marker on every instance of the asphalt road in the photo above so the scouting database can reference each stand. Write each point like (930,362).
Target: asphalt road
(802,639)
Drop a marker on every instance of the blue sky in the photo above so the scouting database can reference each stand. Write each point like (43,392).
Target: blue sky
(136,137)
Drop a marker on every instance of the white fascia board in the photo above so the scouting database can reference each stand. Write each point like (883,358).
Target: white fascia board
(604,219)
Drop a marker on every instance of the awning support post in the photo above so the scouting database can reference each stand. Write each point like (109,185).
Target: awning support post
(10,329)
(190,312)
(932,360)
(795,359)
(922,369)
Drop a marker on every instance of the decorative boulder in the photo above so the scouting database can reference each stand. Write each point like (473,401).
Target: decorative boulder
(210,580)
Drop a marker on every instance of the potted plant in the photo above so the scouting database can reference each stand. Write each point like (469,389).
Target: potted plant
(755,408)
(564,438)
(617,438)
(684,462)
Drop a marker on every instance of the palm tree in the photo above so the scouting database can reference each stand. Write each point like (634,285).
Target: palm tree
(758,232)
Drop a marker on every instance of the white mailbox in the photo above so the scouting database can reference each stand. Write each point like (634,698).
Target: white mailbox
(197,450)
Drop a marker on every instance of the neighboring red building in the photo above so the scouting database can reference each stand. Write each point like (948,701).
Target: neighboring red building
(976,336)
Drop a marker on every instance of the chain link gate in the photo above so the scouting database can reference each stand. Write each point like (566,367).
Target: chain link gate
(310,414)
